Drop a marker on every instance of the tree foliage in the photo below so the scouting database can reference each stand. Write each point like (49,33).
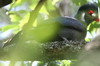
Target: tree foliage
(25,14)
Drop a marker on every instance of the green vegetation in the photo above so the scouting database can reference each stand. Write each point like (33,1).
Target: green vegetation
(28,14)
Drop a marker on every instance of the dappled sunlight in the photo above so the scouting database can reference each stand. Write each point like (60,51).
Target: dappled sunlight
(47,32)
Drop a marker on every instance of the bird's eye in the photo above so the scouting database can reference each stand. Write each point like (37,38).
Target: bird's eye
(90,12)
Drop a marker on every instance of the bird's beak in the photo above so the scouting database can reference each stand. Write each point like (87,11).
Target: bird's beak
(97,19)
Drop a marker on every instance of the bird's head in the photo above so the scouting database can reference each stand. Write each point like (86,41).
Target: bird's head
(88,13)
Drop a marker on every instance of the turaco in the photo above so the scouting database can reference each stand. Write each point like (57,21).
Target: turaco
(60,28)
(74,29)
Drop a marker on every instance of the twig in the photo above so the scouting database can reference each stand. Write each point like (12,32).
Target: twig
(34,13)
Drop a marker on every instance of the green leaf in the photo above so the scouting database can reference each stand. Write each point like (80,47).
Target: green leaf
(79,2)
(5,28)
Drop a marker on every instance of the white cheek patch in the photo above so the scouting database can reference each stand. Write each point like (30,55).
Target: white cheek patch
(93,14)
(82,17)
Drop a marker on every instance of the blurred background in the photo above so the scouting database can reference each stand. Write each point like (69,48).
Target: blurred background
(17,13)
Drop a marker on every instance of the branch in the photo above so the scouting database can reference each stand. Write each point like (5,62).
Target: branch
(34,14)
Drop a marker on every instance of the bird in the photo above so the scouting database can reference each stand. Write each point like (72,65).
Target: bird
(69,28)
(60,28)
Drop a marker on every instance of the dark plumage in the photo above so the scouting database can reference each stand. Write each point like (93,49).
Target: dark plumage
(4,2)
(88,6)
